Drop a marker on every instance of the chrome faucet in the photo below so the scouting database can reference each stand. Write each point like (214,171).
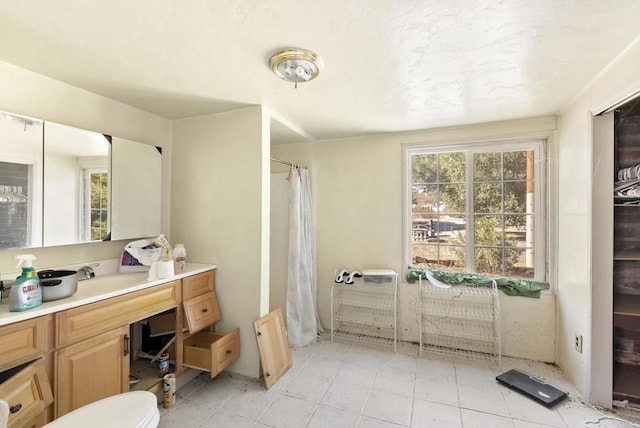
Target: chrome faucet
(86,272)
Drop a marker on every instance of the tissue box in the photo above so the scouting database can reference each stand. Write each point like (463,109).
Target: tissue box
(379,276)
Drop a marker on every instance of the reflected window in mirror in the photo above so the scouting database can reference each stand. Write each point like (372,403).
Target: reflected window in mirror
(95,213)
(76,185)
(20,181)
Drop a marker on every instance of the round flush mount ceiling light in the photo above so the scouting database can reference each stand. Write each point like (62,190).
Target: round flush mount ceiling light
(296,65)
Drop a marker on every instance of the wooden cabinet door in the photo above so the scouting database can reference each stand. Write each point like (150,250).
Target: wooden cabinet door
(273,346)
(91,370)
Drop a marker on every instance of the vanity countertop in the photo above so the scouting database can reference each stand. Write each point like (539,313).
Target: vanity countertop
(97,289)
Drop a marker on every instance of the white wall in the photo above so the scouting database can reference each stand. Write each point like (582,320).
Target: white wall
(576,248)
(358,200)
(34,95)
(279,245)
(218,213)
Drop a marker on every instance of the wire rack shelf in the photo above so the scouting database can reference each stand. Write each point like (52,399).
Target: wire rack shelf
(460,321)
(365,313)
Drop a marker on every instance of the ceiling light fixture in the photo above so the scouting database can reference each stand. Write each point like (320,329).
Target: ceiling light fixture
(296,65)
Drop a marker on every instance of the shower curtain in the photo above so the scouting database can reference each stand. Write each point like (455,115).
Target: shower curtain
(303,322)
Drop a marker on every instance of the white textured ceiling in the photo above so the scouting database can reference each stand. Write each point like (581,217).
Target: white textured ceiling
(391,65)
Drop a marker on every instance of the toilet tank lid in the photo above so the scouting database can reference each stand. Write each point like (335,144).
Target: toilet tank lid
(128,410)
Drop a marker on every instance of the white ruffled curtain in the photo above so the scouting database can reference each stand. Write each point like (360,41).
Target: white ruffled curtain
(303,322)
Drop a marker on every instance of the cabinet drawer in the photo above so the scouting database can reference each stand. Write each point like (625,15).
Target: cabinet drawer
(196,285)
(23,341)
(90,320)
(201,311)
(28,393)
(211,351)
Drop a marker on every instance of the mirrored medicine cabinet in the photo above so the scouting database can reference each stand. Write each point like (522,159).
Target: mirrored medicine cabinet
(63,185)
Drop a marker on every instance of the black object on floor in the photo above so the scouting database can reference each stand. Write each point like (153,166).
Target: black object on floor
(532,387)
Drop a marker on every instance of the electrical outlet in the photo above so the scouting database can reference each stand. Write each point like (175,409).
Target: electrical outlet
(577,342)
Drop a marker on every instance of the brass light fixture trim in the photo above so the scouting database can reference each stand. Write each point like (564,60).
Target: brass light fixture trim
(296,65)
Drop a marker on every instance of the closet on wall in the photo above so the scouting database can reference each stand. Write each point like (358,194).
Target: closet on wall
(614,343)
(626,253)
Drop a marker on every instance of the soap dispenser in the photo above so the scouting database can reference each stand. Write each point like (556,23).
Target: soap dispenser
(26,292)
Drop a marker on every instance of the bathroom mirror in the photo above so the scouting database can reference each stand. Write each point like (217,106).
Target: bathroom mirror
(76,185)
(63,185)
(135,183)
(20,181)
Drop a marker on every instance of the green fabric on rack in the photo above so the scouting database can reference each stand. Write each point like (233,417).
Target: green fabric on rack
(509,286)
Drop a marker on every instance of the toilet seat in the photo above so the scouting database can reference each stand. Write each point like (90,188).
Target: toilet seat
(136,409)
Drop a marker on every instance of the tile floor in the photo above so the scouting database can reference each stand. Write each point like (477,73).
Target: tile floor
(337,385)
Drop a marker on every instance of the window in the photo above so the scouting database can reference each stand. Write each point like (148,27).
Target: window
(96,205)
(15,205)
(477,208)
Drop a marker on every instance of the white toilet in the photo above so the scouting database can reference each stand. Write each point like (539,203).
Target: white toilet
(136,409)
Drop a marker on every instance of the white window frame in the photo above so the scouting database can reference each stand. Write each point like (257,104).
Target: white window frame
(541,227)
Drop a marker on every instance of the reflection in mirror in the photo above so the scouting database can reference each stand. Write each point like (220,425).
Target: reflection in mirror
(76,185)
(20,181)
(135,183)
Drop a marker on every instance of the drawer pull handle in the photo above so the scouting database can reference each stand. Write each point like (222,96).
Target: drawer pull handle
(267,374)
(126,345)
(229,351)
(16,408)
(205,310)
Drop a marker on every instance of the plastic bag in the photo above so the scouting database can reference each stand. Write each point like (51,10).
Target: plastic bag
(139,255)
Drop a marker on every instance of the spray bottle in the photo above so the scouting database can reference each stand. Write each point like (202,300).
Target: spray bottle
(26,292)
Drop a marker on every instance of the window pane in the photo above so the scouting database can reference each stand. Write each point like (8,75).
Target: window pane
(487,167)
(515,165)
(522,264)
(438,256)
(452,257)
(515,197)
(488,230)
(99,205)
(15,205)
(453,198)
(423,227)
(516,230)
(487,198)
(451,228)
(424,198)
(489,260)
(424,168)
(424,255)
(452,167)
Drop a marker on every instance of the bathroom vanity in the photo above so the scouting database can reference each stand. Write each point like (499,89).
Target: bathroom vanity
(65,354)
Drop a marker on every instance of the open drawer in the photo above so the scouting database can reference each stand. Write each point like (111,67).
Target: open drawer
(201,311)
(211,352)
(28,392)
